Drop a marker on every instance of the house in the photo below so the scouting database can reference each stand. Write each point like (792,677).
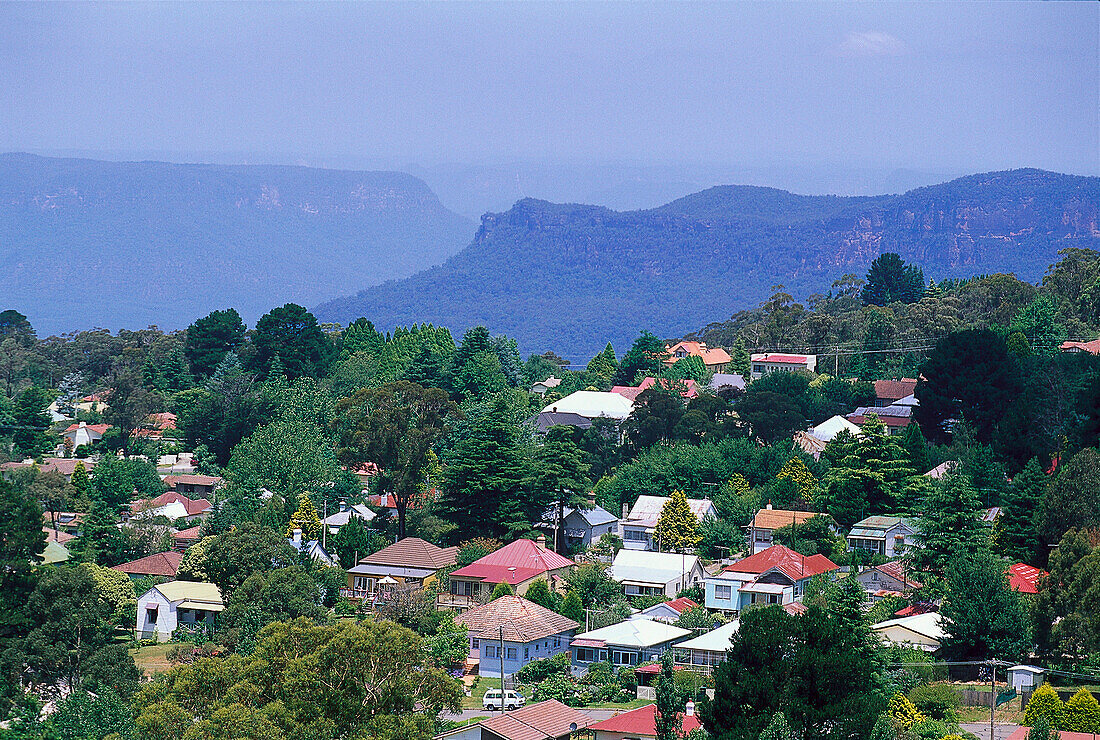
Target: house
(56,550)
(519,564)
(666,611)
(921,631)
(84,434)
(156,426)
(639,525)
(942,469)
(777,575)
(761,530)
(592,405)
(632,643)
(708,649)
(726,381)
(546,720)
(641,724)
(896,417)
(166,606)
(516,631)
(545,386)
(358,512)
(194,486)
(1025,578)
(687,388)
(828,429)
(64,466)
(583,527)
(889,392)
(1092,348)
(889,536)
(313,549)
(69,522)
(184,538)
(647,573)
(410,562)
(716,359)
(172,505)
(178,464)
(890,577)
(161,564)
(771,362)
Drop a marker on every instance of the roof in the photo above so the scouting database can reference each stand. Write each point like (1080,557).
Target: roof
(550,382)
(413,552)
(546,719)
(193,591)
(779,518)
(896,569)
(193,480)
(877,526)
(719,380)
(340,518)
(522,620)
(923,607)
(159,564)
(782,359)
(891,416)
(633,391)
(62,465)
(892,390)
(1093,347)
(633,633)
(831,427)
(942,469)
(188,534)
(547,419)
(514,563)
(191,506)
(717,640)
(55,552)
(1021,732)
(97,428)
(1025,578)
(645,566)
(54,535)
(592,404)
(709,355)
(809,444)
(642,721)
(681,604)
(593,517)
(649,508)
(926,625)
(790,563)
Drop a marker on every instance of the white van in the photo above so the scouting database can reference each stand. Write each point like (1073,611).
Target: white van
(512,700)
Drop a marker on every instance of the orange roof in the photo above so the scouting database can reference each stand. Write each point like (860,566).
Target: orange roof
(633,391)
(188,534)
(97,428)
(413,552)
(779,518)
(681,604)
(170,497)
(894,390)
(542,721)
(642,721)
(790,563)
(1024,578)
(710,356)
(159,564)
(1093,347)
(57,536)
(193,480)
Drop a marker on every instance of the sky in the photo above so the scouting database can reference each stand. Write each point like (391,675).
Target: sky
(936,87)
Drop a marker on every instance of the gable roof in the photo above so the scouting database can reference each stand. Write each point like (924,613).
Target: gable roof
(413,552)
(790,563)
(1025,578)
(514,563)
(942,469)
(592,404)
(779,518)
(632,633)
(896,569)
(926,625)
(542,721)
(828,429)
(648,567)
(592,517)
(717,640)
(193,480)
(63,465)
(522,620)
(877,526)
(648,508)
(681,604)
(633,391)
(892,390)
(158,564)
(192,507)
(642,721)
(97,428)
(547,419)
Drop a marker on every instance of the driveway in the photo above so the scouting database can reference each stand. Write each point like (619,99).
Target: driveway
(1001,731)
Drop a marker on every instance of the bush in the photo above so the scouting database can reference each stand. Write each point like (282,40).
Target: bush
(938,701)
(345,607)
(539,670)
(1041,731)
(930,729)
(560,687)
(1044,704)
(903,713)
(1081,713)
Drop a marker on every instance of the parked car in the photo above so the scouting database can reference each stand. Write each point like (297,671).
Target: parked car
(512,700)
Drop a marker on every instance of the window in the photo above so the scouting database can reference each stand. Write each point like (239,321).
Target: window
(621,657)
(475,643)
(526,653)
(586,655)
(492,651)
(774,598)
(557,641)
(510,653)
(723,592)
(634,534)
(363,583)
(758,368)
(462,588)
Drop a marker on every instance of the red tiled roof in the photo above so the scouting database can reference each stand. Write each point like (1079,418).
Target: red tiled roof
(681,604)
(1093,347)
(921,608)
(893,390)
(641,721)
(97,428)
(161,564)
(63,465)
(795,608)
(521,620)
(1025,578)
(514,563)
(57,536)
(188,534)
(896,569)
(413,552)
(543,721)
(191,506)
(787,561)
(193,480)
(633,391)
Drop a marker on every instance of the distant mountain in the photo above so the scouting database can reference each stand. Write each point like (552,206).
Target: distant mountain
(572,277)
(85,243)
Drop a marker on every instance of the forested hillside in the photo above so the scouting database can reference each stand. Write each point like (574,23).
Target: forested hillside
(127,244)
(576,276)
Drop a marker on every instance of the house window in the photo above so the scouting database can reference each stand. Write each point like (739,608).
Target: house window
(621,657)
(492,651)
(758,368)
(362,583)
(586,655)
(510,653)
(634,534)
(462,588)
(774,598)
(557,641)
(475,643)
(526,653)
(723,592)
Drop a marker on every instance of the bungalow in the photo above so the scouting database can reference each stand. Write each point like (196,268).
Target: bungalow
(184,538)
(639,525)
(708,649)
(641,724)
(172,505)
(546,720)
(777,575)
(889,392)
(632,643)
(666,611)
(722,382)
(761,530)
(84,434)
(896,417)
(409,562)
(161,564)
(194,486)
(715,359)
(580,408)
(921,631)
(583,527)
(516,631)
(313,549)
(889,536)
(358,512)
(647,573)
(687,388)
(893,577)
(771,362)
(61,465)
(166,606)
(1092,348)
(519,564)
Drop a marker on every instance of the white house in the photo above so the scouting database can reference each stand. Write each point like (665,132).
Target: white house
(166,606)
(338,519)
(921,631)
(646,573)
(583,527)
(592,405)
(708,649)
(633,643)
(771,362)
(84,433)
(882,535)
(545,386)
(172,505)
(639,525)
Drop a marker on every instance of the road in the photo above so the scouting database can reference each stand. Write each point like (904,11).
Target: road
(466,714)
(1000,731)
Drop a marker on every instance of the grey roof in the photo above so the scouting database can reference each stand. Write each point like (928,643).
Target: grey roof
(542,422)
(877,526)
(719,380)
(595,516)
(903,412)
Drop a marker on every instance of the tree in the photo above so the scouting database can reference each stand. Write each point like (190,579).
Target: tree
(129,403)
(740,360)
(796,471)
(305,519)
(868,474)
(116,589)
(1041,731)
(1081,713)
(677,527)
(656,414)
(571,607)
(948,527)
(814,536)
(501,589)
(289,456)
(353,542)
(248,548)
(983,617)
(115,481)
(20,546)
(31,421)
(560,475)
(890,279)
(1038,321)
(778,729)
(539,593)
(79,478)
(771,416)
(210,338)
(645,357)
(265,597)
(1017,534)
(593,586)
(81,715)
(394,427)
(289,336)
(1044,705)
(1073,498)
(668,716)
(603,366)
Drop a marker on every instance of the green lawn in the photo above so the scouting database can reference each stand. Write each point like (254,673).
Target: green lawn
(153,659)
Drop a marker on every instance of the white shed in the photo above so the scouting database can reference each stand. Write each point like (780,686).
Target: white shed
(162,609)
(1025,678)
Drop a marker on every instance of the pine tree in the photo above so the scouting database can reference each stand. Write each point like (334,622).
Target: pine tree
(740,360)
(1016,526)
(797,473)
(1081,713)
(916,447)
(677,527)
(571,607)
(668,718)
(949,526)
(1044,704)
(869,473)
(79,479)
(778,729)
(305,519)
(603,366)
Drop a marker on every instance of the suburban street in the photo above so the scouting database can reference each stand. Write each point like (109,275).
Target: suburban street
(1000,731)
(595,714)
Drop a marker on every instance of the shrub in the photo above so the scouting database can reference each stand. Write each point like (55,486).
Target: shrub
(539,670)
(1044,704)
(903,713)
(953,736)
(1041,731)
(1081,713)
(938,701)
(929,729)
(559,687)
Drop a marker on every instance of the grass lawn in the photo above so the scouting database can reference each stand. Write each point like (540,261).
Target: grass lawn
(152,659)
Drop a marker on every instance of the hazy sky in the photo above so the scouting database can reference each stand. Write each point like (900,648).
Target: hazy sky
(939,86)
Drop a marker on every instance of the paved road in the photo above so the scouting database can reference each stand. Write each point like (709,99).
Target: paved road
(1000,731)
(465,714)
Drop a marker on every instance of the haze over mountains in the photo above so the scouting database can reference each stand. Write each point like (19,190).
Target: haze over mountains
(572,277)
(87,243)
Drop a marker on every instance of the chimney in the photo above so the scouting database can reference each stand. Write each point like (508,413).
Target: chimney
(297,538)
(541,541)
(689,710)
(343,505)
(626,511)
(769,506)
(591,499)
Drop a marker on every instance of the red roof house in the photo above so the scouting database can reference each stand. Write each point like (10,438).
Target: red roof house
(778,557)
(639,723)
(184,538)
(160,564)
(173,505)
(633,391)
(1025,578)
(1092,348)
(519,564)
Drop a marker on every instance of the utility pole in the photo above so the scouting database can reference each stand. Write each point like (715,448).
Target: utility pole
(502,669)
(992,694)
(324,528)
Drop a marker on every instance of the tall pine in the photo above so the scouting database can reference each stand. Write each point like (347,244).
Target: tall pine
(1017,535)
(949,526)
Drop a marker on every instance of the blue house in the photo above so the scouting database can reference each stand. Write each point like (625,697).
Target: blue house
(519,630)
(777,575)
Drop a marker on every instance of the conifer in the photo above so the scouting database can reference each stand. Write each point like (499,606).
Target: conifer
(678,527)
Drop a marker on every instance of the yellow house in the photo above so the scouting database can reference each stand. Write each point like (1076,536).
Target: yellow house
(409,562)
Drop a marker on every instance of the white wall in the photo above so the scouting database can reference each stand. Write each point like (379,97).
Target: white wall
(166,616)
